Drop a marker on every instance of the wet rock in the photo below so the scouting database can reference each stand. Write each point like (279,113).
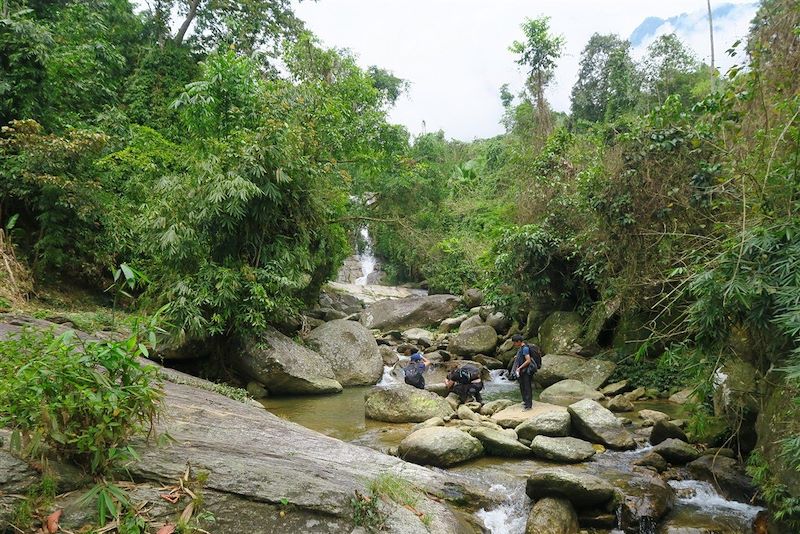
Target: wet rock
(597,424)
(409,312)
(649,417)
(284,366)
(499,322)
(499,443)
(494,406)
(351,351)
(646,499)
(664,430)
(552,516)
(615,388)
(439,446)
(553,424)
(256,390)
(597,519)
(477,340)
(568,391)
(559,331)
(581,489)
(448,325)
(473,297)
(515,415)
(726,475)
(676,451)
(652,459)
(466,414)
(471,322)
(718,451)
(558,367)
(620,404)
(404,404)
(388,355)
(564,450)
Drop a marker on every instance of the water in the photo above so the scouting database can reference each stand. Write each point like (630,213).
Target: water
(366,258)
(511,516)
(705,505)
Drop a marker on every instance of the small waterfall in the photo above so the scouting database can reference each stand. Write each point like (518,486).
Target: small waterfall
(366,258)
(703,496)
(511,516)
(389,378)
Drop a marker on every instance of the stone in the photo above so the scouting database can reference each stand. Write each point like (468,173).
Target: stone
(388,355)
(477,340)
(682,397)
(736,399)
(473,297)
(568,391)
(726,475)
(553,424)
(409,312)
(620,404)
(594,372)
(676,451)
(433,421)
(515,415)
(448,325)
(471,322)
(636,394)
(283,366)
(552,516)
(558,367)
(652,459)
(649,417)
(351,351)
(499,322)
(559,331)
(465,414)
(16,476)
(489,362)
(663,430)
(581,489)
(404,404)
(500,443)
(615,388)
(439,446)
(256,390)
(598,425)
(645,500)
(491,407)
(418,336)
(563,450)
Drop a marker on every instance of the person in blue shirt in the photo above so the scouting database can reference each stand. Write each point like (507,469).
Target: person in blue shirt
(414,370)
(525,367)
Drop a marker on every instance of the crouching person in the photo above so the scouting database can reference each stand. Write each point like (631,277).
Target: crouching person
(414,370)
(465,381)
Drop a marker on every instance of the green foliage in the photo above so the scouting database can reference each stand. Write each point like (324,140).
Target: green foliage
(84,399)
(783,504)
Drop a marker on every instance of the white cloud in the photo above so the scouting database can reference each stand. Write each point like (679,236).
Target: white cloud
(455,52)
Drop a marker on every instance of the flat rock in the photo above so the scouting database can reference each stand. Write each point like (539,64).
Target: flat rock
(409,312)
(676,451)
(495,406)
(615,388)
(581,489)
(599,425)
(682,397)
(649,417)
(499,443)
(552,516)
(404,404)
(439,446)
(552,423)
(351,351)
(652,459)
(564,450)
(515,415)
(569,391)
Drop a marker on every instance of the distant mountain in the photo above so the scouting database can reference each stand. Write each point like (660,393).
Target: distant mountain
(689,23)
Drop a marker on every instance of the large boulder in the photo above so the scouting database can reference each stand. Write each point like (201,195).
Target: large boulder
(676,451)
(284,366)
(448,325)
(645,500)
(471,322)
(563,450)
(599,425)
(595,372)
(736,400)
(515,415)
(559,331)
(388,355)
(439,446)
(552,516)
(492,407)
(581,489)
(664,430)
(498,443)
(569,391)
(473,297)
(553,424)
(558,367)
(499,322)
(404,404)
(409,312)
(477,340)
(726,475)
(351,351)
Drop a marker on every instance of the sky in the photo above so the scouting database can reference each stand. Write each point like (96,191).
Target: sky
(455,53)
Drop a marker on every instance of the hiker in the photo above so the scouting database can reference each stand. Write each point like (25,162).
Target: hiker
(464,381)
(526,362)
(413,371)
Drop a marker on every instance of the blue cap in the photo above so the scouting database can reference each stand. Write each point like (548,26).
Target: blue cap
(416,357)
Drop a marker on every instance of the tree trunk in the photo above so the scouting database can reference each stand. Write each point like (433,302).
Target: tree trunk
(711,35)
(187,22)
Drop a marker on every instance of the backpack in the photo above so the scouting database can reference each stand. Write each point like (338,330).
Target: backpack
(536,356)
(465,375)
(413,375)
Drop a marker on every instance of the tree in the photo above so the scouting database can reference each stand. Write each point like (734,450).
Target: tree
(390,86)
(668,68)
(538,52)
(607,82)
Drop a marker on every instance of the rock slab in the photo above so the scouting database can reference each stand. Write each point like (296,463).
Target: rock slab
(597,424)
(581,489)
(564,450)
(409,312)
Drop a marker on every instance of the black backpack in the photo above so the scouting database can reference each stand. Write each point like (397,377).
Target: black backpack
(536,356)
(465,375)
(413,374)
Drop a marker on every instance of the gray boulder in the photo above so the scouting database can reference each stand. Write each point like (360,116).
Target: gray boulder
(595,372)
(473,297)
(645,500)
(553,424)
(418,336)
(559,331)
(499,322)
(558,367)
(465,414)
(448,325)
(726,475)
(564,450)
(620,404)
(664,430)
(515,415)
(491,407)
(284,366)
(471,322)
(489,362)
(568,391)
(409,312)
(499,443)
(676,451)
(388,355)
(477,340)
(552,516)
(404,404)
(439,446)
(351,351)
(649,417)
(615,388)
(599,425)
(581,489)
(652,459)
